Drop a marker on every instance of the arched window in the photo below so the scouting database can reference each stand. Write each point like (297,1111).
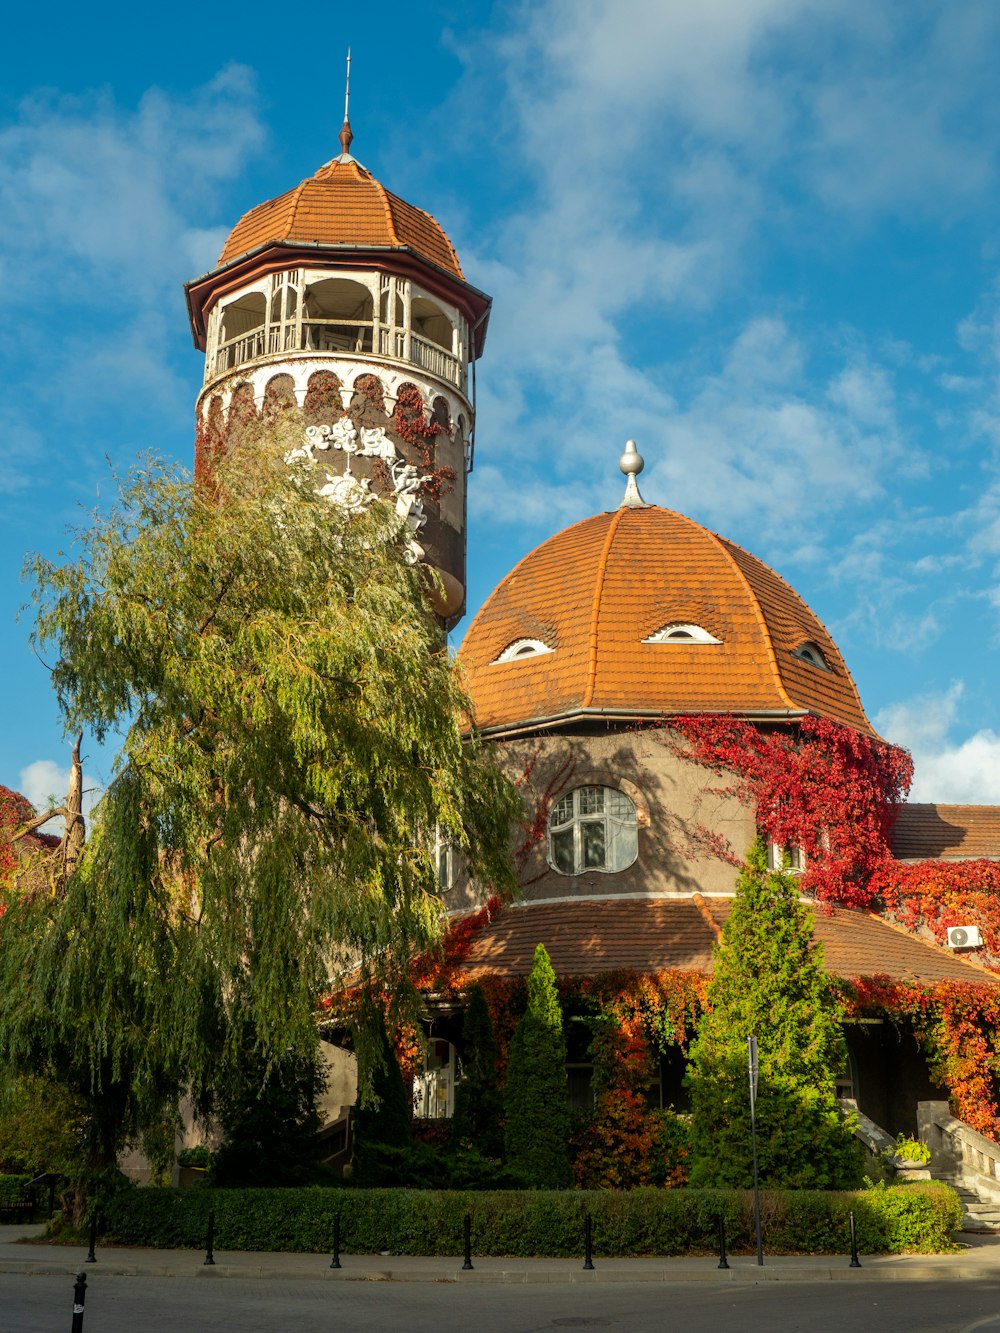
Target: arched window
(593,828)
(338,316)
(676,632)
(813,654)
(521,648)
(241,336)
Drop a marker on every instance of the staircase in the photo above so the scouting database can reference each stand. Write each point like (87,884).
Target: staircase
(967,1161)
(978,1214)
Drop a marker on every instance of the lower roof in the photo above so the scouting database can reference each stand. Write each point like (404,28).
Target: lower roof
(925,832)
(677,934)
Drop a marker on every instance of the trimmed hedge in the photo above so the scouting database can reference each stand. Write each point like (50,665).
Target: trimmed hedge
(897,1219)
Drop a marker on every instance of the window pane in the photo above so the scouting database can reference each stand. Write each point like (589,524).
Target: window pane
(619,804)
(591,800)
(562,811)
(623,843)
(593,845)
(562,850)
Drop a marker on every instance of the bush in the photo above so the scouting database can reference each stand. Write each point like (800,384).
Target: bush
(650,1222)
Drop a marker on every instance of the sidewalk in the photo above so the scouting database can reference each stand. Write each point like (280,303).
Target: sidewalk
(980,1260)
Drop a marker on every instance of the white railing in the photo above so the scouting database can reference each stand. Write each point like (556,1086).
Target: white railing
(338,335)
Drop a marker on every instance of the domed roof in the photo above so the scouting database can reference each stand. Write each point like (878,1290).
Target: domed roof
(643,612)
(343,205)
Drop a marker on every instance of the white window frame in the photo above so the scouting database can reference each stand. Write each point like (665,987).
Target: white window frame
(683,634)
(776,852)
(434,1085)
(620,829)
(521,649)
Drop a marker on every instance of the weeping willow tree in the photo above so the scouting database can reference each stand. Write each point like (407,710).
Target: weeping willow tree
(290,731)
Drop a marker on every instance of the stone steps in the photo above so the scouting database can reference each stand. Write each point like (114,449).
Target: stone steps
(978,1214)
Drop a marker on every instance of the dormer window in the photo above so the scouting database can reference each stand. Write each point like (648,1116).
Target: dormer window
(678,632)
(811,653)
(520,648)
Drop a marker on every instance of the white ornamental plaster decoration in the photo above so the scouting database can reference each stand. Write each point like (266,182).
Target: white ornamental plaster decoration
(354,493)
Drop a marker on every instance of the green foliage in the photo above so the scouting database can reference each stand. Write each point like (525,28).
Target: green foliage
(535,1102)
(269,1122)
(421,1166)
(198,1156)
(538,1222)
(911,1150)
(769,981)
(291,735)
(478,1118)
(383,1115)
(41,1126)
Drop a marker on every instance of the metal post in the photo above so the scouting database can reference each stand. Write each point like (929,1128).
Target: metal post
(335,1262)
(588,1236)
(79,1296)
(855,1261)
(723,1261)
(91,1256)
(467,1236)
(752,1052)
(209,1256)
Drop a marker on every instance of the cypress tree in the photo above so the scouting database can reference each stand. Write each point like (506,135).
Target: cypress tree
(536,1105)
(478,1106)
(383,1115)
(769,982)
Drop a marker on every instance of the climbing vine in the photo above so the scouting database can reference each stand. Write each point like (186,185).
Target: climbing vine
(820,786)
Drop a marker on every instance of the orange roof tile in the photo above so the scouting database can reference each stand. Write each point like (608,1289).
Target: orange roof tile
(343,205)
(946,832)
(654,934)
(596,591)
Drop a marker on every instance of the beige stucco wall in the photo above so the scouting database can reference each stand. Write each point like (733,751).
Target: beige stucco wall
(677,803)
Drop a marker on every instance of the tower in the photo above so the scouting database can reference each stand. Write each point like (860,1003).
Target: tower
(341,299)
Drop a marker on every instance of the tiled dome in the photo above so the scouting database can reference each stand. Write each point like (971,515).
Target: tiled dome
(343,205)
(733,636)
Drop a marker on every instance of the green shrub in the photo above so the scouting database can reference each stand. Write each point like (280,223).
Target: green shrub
(12,1187)
(537,1131)
(478,1119)
(911,1150)
(651,1222)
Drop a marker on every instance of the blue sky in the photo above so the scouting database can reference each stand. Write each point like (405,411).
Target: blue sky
(762,237)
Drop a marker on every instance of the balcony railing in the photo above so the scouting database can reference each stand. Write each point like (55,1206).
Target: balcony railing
(338,335)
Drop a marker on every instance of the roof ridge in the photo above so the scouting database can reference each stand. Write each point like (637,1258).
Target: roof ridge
(707,917)
(822,623)
(723,546)
(595,612)
(389,217)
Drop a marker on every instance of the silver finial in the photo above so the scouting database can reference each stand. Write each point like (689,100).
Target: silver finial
(631,463)
(346,134)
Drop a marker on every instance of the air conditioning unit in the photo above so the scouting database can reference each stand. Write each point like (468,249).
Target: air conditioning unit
(964,937)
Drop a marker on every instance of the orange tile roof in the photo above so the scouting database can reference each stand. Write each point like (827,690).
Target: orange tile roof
(595,591)
(652,934)
(343,205)
(946,832)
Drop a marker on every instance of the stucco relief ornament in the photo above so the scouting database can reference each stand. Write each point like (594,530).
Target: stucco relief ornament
(354,493)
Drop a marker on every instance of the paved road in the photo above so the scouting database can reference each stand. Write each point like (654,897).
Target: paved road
(43,1304)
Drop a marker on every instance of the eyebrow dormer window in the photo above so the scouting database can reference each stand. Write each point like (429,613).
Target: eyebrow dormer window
(682,633)
(521,648)
(811,653)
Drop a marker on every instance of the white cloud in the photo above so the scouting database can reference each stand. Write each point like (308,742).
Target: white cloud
(45,784)
(946,771)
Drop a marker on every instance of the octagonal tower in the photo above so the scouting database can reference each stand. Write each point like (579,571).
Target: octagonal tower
(343,300)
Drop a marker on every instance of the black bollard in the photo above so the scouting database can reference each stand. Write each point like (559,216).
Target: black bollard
(79,1296)
(210,1257)
(467,1236)
(723,1261)
(91,1256)
(588,1236)
(335,1261)
(855,1261)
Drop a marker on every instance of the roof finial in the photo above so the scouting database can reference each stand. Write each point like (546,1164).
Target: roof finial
(631,463)
(346,133)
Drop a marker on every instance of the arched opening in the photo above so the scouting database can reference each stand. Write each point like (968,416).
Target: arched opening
(430,322)
(282,316)
(323,405)
(242,416)
(241,335)
(279,397)
(338,316)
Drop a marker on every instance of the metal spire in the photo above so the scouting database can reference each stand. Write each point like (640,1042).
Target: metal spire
(346,133)
(631,463)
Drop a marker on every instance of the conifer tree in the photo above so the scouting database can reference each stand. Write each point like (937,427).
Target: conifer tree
(536,1101)
(769,982)
(478,1119)
(291,736)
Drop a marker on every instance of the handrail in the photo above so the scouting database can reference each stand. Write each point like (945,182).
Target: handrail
(958,1149)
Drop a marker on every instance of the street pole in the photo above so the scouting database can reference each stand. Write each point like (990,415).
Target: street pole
(752,1054)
